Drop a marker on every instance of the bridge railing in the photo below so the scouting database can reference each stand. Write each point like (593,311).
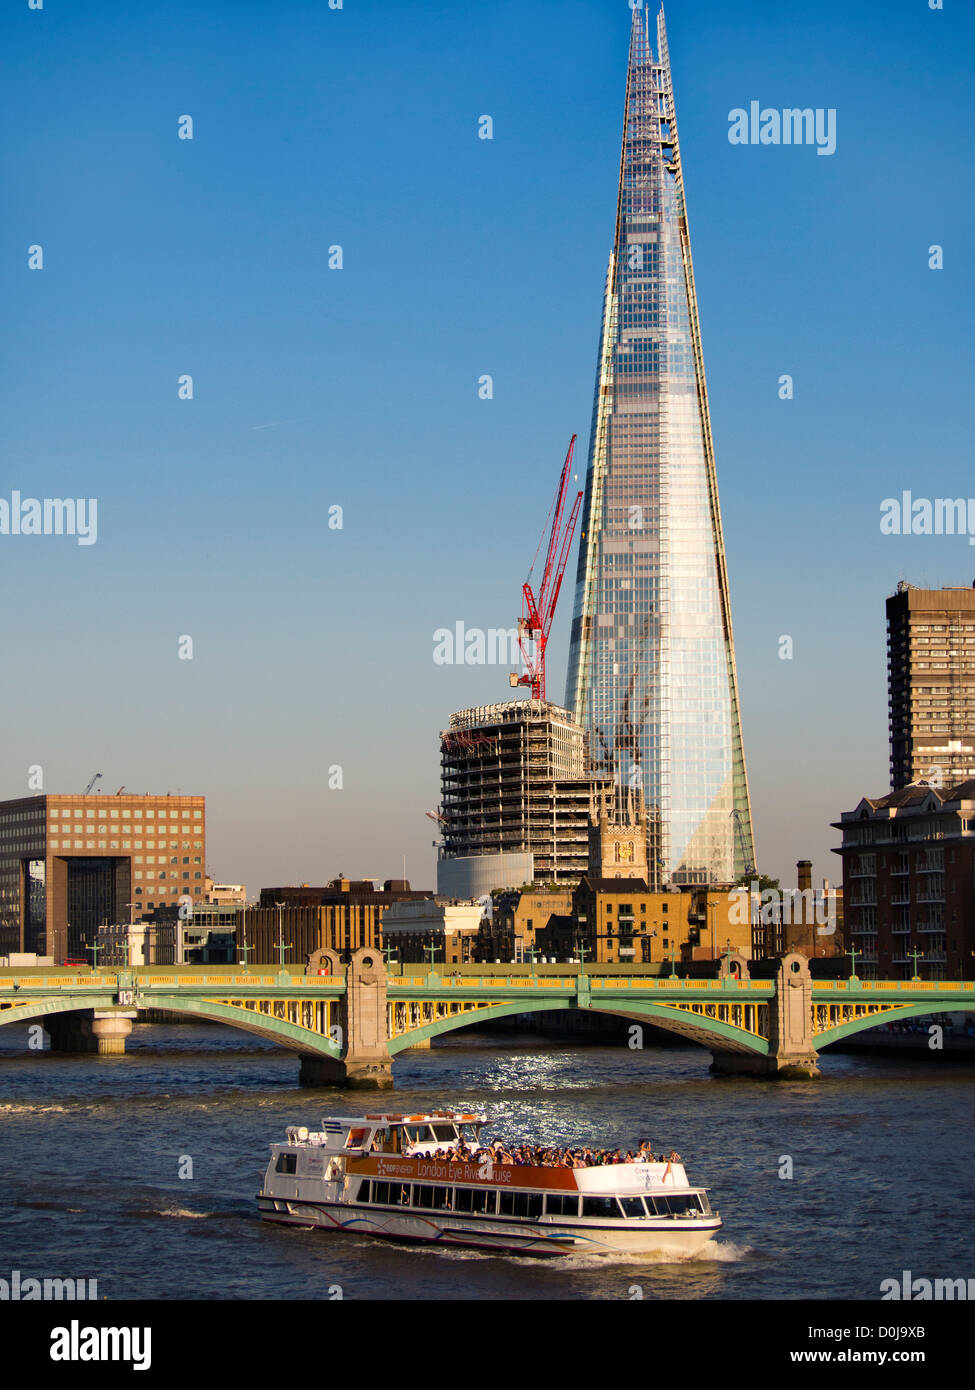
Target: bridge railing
(241,981)
(567,983)
(109,979)
(895,986)
(564,982)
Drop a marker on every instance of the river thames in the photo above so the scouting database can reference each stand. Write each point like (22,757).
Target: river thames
(92,1149)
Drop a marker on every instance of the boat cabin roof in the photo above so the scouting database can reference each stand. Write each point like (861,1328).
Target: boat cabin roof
(459,1117)
(349,1132)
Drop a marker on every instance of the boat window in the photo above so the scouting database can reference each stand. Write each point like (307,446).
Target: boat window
(485,1200)
(287,1163)
(520,1203)
(702,1197)
(445,1134)
(600,1206)
(380,1193)
(676,1206)
(464,1199)
(401,1193)
(562,1204)
(433,1198)
(632,1206)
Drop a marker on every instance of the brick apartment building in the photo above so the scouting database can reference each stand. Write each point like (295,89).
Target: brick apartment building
(909,883)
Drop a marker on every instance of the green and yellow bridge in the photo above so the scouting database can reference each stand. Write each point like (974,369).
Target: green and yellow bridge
(348,1023)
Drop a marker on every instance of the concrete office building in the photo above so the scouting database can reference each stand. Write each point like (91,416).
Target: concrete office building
(231,894)
(515,782)
(931,681)
(70,864)
(124,945)
(343,916)
(438,932)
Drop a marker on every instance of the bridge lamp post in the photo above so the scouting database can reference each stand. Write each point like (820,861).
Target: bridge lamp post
(915,953)
(433,949)
(727,959)
(280,943)
(853,953)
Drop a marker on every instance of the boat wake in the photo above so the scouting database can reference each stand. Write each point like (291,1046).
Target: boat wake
(32,1108)
(723,1252)
(715,1252)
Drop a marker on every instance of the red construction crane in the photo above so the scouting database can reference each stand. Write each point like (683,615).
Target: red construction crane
(535,624)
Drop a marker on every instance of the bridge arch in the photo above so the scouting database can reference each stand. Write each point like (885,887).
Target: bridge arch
(278,1030)
(708,1032)
(892,1015)
(41,1008)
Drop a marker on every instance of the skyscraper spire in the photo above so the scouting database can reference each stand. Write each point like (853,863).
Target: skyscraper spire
(651,661)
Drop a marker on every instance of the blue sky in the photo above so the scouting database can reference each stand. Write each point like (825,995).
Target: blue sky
(358,387)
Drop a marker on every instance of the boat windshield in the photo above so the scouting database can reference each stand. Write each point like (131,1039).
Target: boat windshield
(387,1141)
(428,1134)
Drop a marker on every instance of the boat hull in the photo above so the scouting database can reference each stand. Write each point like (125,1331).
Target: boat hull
(680,1239)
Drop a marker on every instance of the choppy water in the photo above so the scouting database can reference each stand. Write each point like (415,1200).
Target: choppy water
(882,1152)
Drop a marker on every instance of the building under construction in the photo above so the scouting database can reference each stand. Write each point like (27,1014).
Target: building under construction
(514,782)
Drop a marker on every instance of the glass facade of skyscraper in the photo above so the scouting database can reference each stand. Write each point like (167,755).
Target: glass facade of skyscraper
(651,663)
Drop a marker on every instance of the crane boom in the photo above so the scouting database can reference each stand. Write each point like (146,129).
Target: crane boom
(553,541)
(538,611)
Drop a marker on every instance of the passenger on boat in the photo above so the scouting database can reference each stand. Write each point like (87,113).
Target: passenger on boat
(547,1156)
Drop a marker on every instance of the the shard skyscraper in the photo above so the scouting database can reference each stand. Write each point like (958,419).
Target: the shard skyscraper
(651,661)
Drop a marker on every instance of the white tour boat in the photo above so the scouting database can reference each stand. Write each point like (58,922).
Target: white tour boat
(389,1176)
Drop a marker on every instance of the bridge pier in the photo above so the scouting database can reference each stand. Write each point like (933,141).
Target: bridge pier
(101,1032)
(335,1071)
(792,1053)
(365,1063)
